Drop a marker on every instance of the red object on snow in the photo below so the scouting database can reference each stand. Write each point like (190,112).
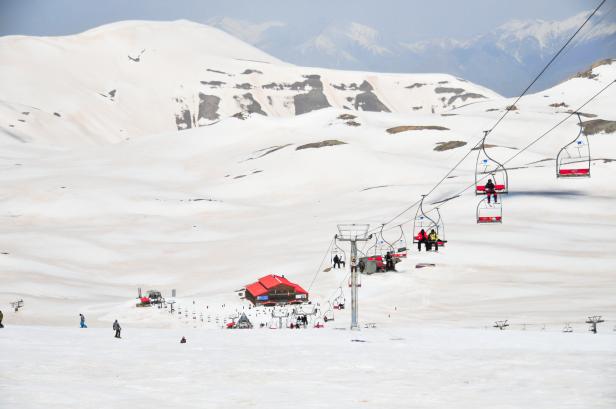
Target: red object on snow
(230,324)
(144,300)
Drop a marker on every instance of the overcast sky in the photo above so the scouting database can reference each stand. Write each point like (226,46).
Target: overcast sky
(410,19)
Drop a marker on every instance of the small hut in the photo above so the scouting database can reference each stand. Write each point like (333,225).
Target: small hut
(243,322)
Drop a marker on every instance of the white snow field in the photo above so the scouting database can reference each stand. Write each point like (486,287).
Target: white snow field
(104,199)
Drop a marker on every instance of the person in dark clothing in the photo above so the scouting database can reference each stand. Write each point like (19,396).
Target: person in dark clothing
(422,237)
(183,340)
(389,262)
(82,321)
(361,265)
(490,190)
(1,318)
(336,261)
(117,329)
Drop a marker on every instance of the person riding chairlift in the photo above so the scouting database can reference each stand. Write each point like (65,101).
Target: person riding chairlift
(336,261)
(422,237)
(432,239)
(490,190)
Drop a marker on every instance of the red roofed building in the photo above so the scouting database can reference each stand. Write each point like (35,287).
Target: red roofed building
(273,289)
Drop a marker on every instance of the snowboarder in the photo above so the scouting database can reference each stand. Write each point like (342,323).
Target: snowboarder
(490,190)
(1,317)
(336,261)
(117,329)
(82,321)
(433,239)
(422,237)
(183,340)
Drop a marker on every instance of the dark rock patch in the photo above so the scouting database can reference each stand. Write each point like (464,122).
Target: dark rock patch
(312,101)
(112,93)
(374,187)
(213,84)
(208,107)
(22,120)
(256,171)
(491,109)
(447,90)
(417,108)
(585,115)
(270,100)
(588,73)
(249,104)
(404,128)
(511,108)
(239,177)
(443,82)
(445,146)
(346,117)
(218,72)
(25,113)
(245,85)
(183,120)
(464,97)
(368,101)
(365,86)
(344,87)
(250,71)
(138,57)
(352,123)
(595,126)
(57,114)
(449,114)
(329,142)
(416,85)
(559,104)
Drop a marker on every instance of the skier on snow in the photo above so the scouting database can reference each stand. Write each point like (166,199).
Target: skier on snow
(82,321)
(117,329)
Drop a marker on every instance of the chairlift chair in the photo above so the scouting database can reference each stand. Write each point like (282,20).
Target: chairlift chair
(489,213)
(427,221)
(573,159)
(328,315)
(487,167)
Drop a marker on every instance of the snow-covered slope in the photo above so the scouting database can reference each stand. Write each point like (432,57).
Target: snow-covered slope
(131,79)
(210,209)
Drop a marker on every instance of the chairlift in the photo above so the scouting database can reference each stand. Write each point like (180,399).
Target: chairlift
(397,248)
(339,300)
(488,213)
(573,160)
(487,167)
(337,250)
(427,221)
(329,314)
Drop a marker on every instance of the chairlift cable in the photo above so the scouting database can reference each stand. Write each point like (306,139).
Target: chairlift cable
(504,114)
(321,264)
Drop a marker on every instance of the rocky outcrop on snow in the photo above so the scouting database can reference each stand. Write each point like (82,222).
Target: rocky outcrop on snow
(183,75)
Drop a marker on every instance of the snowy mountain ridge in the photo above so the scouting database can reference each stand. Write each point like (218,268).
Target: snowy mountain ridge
(135,78)
(517,47)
